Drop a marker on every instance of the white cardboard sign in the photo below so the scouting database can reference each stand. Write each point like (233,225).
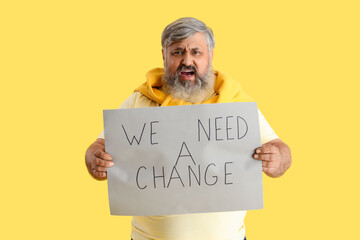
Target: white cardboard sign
(183,159)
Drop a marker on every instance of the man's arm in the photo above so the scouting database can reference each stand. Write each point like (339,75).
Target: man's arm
(275,156)
(97,160)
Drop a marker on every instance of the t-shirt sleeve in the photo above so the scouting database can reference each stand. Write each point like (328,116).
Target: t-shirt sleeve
(128,103)
(266,132)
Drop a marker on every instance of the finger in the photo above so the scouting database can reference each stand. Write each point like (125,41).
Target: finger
(101,141)
(103,163)
(103,155)
(256,156)
(264,157)
(100,175)
(100,169)
(267,148)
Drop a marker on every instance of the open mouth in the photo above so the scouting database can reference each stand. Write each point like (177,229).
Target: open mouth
(187,73)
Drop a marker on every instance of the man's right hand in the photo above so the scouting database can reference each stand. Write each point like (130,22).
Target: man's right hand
(97,160)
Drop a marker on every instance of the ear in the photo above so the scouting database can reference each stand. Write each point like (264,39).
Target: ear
(211,55)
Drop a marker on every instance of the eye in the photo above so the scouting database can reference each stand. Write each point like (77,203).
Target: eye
(195,52)
(177,52)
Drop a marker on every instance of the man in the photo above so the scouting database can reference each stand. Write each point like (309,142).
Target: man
(188,78)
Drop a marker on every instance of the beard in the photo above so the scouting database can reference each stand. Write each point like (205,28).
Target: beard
(195,92)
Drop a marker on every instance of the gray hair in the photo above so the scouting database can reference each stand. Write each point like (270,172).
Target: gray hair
(184,28)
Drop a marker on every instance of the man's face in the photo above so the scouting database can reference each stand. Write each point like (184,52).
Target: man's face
(188,59)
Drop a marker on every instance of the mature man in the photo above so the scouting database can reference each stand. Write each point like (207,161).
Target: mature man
(188,78)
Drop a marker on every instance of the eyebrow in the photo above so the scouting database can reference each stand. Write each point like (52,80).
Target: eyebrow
(182,48)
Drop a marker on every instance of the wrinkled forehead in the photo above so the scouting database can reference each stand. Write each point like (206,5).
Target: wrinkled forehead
(195,41)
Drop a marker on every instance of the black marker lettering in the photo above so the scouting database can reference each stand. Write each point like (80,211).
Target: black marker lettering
(134,138)
(152,133)
(217,129)
(160,176)
(187,155)
(228,128)
(202,126)
(226,183)
(137,178)
(239,128)
(178,177)
(216,178)
(194,174)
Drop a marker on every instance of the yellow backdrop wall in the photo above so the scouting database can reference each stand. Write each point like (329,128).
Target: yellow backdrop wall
(63,62)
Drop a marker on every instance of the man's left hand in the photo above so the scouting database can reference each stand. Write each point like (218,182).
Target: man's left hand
(275,156)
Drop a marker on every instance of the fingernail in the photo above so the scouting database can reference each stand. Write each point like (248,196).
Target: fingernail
(256,156)
(258,150)
(111,164)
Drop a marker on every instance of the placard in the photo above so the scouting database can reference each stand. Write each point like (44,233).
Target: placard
(183,159)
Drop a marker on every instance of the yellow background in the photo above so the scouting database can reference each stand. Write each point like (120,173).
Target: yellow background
(63,62)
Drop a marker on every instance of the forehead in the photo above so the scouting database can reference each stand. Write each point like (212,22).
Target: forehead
(197,40)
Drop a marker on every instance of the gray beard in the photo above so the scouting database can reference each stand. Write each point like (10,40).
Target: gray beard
(199,92)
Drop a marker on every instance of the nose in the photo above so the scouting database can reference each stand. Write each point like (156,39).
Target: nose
(187,59)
